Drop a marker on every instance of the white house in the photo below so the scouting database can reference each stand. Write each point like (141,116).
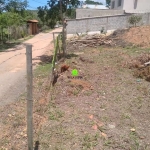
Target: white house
(94,6)
(131,6)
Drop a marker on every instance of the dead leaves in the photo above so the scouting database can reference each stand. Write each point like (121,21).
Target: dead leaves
(84,84)
(42,101)
(98,126)
(132,129)
(91,116)
(94,127)
(104,135)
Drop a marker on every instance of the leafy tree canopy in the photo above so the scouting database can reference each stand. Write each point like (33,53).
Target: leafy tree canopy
(108,2)
(51,14)
(16,5)
(93,2)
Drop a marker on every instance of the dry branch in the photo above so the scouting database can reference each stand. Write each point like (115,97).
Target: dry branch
(147,63)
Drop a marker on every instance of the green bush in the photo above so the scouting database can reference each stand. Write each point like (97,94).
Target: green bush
(45,27)
(52,24)
(133,20)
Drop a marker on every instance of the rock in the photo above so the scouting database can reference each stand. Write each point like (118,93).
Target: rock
(111,126)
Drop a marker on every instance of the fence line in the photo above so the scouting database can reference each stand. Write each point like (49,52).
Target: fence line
(29,96)
(57,47)
(24,46)
(22,53)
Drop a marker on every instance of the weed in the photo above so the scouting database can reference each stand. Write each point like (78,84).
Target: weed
(40,83)
(88,93)
(108,143)
(134,141)
(43,70)
(75,92)
(125,116)
(18,121)
(89,141)
(55,114)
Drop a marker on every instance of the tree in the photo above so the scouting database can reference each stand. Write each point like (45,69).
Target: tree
(133,20)
(2,5)
(92,2)
(16,5)
(52,15)
(108,2)
(42,13)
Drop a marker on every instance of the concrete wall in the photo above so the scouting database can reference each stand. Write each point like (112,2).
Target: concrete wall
(96,23)
(84,13)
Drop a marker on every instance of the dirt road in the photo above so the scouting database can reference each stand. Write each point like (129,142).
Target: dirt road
(13,66)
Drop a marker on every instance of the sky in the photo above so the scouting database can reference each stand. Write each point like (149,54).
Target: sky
(33,4)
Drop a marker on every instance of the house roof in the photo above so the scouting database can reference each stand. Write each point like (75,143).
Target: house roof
(94,6)
(34,21)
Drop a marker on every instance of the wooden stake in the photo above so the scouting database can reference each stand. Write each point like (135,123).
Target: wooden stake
(29,97)
(63,31)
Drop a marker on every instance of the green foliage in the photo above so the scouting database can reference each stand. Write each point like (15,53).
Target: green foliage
(42,14)
(71,13)
(108,2)
(13,5)
(93,2)
(51,14)
(44,28)
(133,20)
(13,19)
(2,5)
(16,5)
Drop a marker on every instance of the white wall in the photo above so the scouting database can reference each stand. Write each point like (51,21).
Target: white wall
(128,6)
(143,5)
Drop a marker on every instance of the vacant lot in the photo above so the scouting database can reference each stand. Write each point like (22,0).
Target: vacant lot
(107,108)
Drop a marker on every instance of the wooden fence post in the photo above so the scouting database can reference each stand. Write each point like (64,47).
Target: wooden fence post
(63,31)
(54,39)
(29,97)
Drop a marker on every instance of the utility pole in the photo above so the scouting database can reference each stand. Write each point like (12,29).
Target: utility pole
(29,97)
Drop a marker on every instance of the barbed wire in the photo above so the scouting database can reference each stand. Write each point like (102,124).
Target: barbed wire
(11,58)
(24,45)
(23,53)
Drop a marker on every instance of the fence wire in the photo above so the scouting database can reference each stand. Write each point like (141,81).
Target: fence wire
(24,45)
(22,54)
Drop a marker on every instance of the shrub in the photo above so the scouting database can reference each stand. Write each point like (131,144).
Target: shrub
(45,27)
(133,20)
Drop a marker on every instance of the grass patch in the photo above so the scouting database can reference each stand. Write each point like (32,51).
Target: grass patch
(89,141)
(43,70)
(134,50)
(55,114)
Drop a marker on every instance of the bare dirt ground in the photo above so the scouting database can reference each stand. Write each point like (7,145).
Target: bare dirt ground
(107,108)
(13,66)
(138,36)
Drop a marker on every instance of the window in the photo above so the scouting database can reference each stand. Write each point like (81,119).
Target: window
(119,2)
(113,5)
(135,4)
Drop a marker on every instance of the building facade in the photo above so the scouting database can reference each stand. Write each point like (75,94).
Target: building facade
(131,6)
